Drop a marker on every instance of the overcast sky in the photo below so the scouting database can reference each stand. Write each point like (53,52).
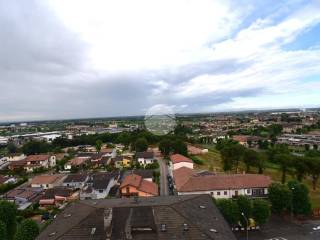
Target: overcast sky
(68,59)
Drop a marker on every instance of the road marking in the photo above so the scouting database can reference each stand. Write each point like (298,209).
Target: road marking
(277,238)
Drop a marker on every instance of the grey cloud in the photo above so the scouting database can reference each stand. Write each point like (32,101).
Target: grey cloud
(43,73)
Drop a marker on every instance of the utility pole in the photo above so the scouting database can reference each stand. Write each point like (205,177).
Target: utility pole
(292,189)
(246,224)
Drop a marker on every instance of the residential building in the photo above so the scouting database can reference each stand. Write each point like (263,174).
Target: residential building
(38,161)
(122,161)
(192,150)
(7,179)
(247,141)
(15,157)
(187,181)
(99,185)
(109,152)
(77,162)
(17,165)
(47,181)
(178,161)
(302,140)
(146,174)
(135,185)
(24,197)
(57,196)
(193,217)
(145,158)
(75,181)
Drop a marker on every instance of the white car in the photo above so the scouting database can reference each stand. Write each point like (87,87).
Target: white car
(316,228)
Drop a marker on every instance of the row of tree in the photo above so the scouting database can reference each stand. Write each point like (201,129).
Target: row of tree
(233,210)
(293,196)
(232,154)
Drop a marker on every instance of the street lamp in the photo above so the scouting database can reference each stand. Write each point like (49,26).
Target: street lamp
(246,224)
(292,189)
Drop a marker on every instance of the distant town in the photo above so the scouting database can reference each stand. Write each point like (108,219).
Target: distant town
(238,175)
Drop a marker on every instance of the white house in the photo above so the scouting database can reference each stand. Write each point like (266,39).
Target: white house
(179,161)
(220,186)
(145,158)
(99,185)
(75,181)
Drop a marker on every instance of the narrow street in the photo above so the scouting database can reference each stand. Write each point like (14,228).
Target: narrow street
(164,190)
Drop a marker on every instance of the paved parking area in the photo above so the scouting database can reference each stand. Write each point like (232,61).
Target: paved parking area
(278,229)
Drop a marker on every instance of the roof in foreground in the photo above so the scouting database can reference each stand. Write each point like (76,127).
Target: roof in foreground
(175,217)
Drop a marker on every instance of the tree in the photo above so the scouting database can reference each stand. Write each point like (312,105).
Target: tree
(3,230)
(99,145)
(165,146)
(8,214)
(250,158)
(180,147)
(280,197)
(300,198)
(36,147)
(261,211)
(124,138)
(12,148)
(231,156)
(261,163)
(277,149)
(245,206)
(27,230)
(141,145)
(313,165)
(285,161)
(300,167)
(229,210)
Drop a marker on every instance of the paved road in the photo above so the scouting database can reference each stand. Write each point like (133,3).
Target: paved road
(164,189)
(278,229)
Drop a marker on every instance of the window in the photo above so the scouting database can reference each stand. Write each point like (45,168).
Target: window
(258,191)
(236,193)
(218,193)
(211,193)
(248,191)
(225,193)
(100,190)
(127,189)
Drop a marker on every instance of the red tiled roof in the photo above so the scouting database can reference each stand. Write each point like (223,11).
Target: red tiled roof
(78,161)
(181,176)
(176,158)
(19,163)
(195,182)
(149,187)
(45,179)
(142,185)
(41,157)
(240,138)
(132,180)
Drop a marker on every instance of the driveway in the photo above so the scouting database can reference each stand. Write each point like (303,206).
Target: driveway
(164,189)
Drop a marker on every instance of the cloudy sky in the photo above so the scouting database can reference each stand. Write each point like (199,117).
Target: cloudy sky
(67,59)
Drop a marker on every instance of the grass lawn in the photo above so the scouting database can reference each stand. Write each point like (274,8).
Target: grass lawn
(212,161)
